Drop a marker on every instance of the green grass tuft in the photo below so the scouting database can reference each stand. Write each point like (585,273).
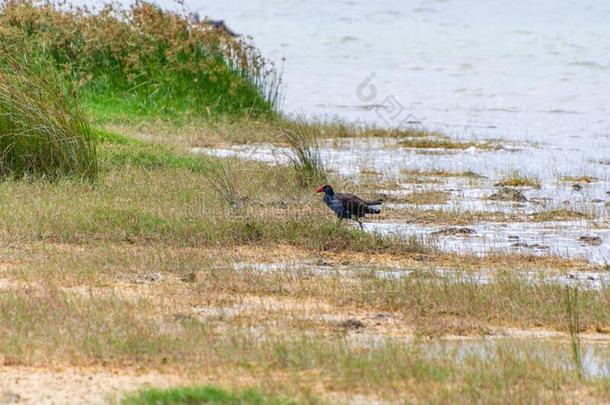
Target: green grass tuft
(43,130)
(200,395)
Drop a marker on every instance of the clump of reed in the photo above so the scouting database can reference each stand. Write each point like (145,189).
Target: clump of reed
(221,176)
(303,152)
(147,60)
(43,130)
(573,320)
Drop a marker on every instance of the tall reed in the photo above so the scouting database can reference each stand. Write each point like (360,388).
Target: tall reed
(302,139)
(43,130)
(572,315)
(221,177)
(147,60)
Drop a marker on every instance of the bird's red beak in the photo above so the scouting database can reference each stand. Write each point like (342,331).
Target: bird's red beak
(320,190)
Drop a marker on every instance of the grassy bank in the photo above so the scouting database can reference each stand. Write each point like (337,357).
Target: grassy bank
(144,61)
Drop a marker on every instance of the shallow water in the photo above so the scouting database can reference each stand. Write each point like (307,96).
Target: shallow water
(595,357)
(581,279)
(349,157)
(560,238)
(534,75)
(524,72)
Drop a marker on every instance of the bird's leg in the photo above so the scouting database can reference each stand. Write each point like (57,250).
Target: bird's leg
(361,226)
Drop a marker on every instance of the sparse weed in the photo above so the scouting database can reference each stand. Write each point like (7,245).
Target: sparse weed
(304,153)
(573,318)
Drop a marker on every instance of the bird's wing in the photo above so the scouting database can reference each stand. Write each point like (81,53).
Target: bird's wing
(356,206)
(350,202)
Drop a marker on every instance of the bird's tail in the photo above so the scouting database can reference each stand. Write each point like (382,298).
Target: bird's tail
(374,206)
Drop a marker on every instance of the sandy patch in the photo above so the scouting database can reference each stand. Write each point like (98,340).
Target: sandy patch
(25,385)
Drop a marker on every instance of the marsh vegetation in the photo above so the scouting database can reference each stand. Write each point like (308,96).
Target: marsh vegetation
(123,250)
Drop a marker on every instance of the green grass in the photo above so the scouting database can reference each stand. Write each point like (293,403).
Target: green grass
(43,130)
(201,395)
(153,192)
(145,62)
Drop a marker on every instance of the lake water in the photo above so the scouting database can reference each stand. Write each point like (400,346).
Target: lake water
(488,68)
(529,69)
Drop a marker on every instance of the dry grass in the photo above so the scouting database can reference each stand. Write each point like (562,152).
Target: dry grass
(442,142)
(138,271)
(222,132)
(578,179)
(421,197)
(440,173)
(559,214)
(288,328)
(515,179)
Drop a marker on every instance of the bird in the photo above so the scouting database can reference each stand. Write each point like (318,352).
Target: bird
(348,206)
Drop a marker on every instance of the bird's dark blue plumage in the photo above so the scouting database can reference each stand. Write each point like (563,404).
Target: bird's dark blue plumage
(348,206)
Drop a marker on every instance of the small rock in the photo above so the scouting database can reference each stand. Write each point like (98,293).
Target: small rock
(351,324)
(150,278)
(189,277)
(537,246)
(382,196)
(520,244)
(508,194)
(591,240)
(597,201)
(183,317)
(513,237)
(454,232)
(576,187)
(280,204)
(9,397)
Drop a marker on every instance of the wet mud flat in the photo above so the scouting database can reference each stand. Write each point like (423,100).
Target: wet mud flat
(563,208)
